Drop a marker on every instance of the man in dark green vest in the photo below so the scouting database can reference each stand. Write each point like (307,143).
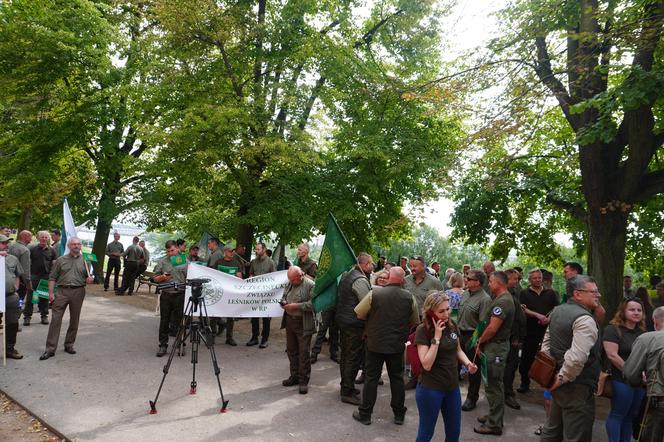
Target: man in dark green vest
(572,340)
(495,343)
(389,312)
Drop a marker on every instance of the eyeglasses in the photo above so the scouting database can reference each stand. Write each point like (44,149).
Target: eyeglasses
(595,292)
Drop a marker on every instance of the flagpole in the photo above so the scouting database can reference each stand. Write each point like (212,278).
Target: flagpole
(4,341)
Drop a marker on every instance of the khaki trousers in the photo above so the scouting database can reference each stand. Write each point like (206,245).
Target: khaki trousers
(72,297)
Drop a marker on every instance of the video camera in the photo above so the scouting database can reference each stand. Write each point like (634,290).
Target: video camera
(196,285)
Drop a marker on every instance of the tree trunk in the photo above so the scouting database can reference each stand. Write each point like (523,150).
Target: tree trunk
(107,211)
(26,219)
(245,236)
(606,256)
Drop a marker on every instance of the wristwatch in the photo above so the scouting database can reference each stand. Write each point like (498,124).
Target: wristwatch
(435,341)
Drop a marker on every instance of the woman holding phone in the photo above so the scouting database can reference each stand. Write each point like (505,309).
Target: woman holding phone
(439,350)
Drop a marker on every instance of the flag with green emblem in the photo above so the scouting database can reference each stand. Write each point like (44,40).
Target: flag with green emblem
(476,335)
(178,260)
(336,258)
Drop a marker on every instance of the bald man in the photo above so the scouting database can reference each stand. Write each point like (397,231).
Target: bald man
(389,312)
(298,320)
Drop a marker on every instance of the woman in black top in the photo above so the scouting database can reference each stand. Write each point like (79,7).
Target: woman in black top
(438,348)
(619,336)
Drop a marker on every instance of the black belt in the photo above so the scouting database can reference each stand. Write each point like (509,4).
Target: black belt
(71,286)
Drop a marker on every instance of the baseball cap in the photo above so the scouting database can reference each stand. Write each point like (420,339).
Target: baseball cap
(228,247)
(4,238)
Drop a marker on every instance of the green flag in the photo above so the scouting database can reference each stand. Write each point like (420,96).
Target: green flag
(336,257)
(178,260)
(90,257)
(484,369)
(476,335)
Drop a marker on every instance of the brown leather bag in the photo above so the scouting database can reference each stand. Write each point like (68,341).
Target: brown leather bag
(543,369)
(604,386)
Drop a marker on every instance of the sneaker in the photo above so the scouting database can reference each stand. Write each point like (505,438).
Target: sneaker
(44,320)
(263,344)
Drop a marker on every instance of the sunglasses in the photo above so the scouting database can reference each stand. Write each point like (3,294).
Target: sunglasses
(633,299)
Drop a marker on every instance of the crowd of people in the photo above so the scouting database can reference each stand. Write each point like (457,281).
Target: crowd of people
(457,319)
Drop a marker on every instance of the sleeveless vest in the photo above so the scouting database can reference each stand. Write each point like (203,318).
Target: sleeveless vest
(388,320)
(347,301)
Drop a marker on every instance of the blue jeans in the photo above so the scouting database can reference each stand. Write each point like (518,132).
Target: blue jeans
(429,403)
(625,405)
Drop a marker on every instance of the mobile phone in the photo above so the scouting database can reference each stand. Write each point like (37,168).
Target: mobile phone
(282,302)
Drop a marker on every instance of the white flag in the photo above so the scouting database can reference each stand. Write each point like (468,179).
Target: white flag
(69,226)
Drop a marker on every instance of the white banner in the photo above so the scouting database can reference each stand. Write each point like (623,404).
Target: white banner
(228,296)
(2,283)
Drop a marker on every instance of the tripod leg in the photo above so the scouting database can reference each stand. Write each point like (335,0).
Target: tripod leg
(217,370)
(178,339)
(195,340)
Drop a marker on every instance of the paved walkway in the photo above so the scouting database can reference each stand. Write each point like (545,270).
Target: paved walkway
(102,392)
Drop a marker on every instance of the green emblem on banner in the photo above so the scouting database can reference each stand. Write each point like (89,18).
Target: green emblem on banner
(41,291)
(90,257)
(325,261)
(178,260)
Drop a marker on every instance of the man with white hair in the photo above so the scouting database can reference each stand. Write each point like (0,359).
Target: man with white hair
(647,357)
(19,249)
(71,274)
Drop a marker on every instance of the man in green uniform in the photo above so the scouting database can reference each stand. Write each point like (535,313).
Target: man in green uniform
(114,251)
(19,249)
(419,283)
(516,339)
(572,340)
(13,272)
(495,341)
(70,273)
(298,320)
(133,257)
(171,301)
(260,265)
(55,237)
(42,257)
(390,311)
(648,356)
(353,287)
(473,308)
(145,262)
(231,264)
(215,251)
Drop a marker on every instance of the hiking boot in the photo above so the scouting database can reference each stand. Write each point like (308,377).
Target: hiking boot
(511,402)
(353,400)
(290,382)
(44,320)
(26,322)
(163,349)
(483,429)
(14,354)
(365,420)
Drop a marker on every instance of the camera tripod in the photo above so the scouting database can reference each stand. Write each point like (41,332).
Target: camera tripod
(195,324)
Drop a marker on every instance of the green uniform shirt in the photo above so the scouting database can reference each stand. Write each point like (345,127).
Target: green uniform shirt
(146,256)
(13,270)
(21,251)
(421,290)
(309,267)
(503,307)
(214,257)
(69,270)
(261,266)
(473,308)
(299,294)
(56,246)
(647,355)
(133,253)
(178,273)
(114,246)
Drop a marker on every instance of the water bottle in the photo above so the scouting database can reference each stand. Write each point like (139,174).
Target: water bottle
(21,303)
